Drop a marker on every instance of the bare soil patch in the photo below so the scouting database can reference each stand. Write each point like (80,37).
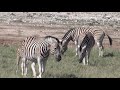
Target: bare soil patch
(15,26)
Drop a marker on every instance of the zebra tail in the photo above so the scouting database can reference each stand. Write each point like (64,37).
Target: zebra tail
(110,39)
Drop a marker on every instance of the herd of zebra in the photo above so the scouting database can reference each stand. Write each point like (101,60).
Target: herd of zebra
(37,50)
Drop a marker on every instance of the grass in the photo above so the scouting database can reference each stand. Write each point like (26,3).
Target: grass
(68,67)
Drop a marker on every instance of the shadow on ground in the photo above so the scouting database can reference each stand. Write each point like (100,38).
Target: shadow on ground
(109,55)
(49,75)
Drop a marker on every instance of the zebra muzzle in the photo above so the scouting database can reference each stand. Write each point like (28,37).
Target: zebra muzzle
(58,58)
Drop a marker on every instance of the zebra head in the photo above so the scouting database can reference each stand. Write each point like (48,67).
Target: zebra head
(55,46)
(66,39)
(57,52)
(64,46)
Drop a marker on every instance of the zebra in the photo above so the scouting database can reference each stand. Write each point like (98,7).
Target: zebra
(85,48)
(77,34)
(37,50)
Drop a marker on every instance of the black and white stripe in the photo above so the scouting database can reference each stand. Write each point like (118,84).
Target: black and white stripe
(77,35)
(85,48)
(37,50)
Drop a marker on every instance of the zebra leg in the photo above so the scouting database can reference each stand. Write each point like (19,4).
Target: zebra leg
(40,67)
(76,44)
(22,69)
(100,45)
(101,48)
(77,51)
(87,58)
(101,40)
(18,61)
(88,55)
(33,69)
(78,47)
(23,66)
(43,66)
(26,65)
(84,60)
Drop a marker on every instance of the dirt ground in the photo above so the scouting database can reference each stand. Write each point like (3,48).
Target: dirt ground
(15,26)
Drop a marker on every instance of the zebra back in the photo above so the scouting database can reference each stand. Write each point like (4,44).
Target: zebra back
(33,46)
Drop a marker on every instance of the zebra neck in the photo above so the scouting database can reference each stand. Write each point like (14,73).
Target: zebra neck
(66,41)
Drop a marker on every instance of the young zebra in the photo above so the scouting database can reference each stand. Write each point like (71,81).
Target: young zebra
(37,50)
(77,35)
(85,48)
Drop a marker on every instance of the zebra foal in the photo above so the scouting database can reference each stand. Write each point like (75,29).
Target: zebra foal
(85,48)
(37,50)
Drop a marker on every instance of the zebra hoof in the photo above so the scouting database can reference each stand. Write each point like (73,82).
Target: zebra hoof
(39,76)
(34,76)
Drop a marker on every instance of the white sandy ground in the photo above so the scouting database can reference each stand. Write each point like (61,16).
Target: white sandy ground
(56,17)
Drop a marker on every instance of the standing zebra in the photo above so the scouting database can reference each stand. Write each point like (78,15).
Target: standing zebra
(85,48)
(36,50)
(77,34)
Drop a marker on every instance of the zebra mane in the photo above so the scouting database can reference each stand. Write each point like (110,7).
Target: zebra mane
(52,37)
(68,33)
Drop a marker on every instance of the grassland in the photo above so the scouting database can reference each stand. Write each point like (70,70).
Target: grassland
(68,67)
(15,26)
